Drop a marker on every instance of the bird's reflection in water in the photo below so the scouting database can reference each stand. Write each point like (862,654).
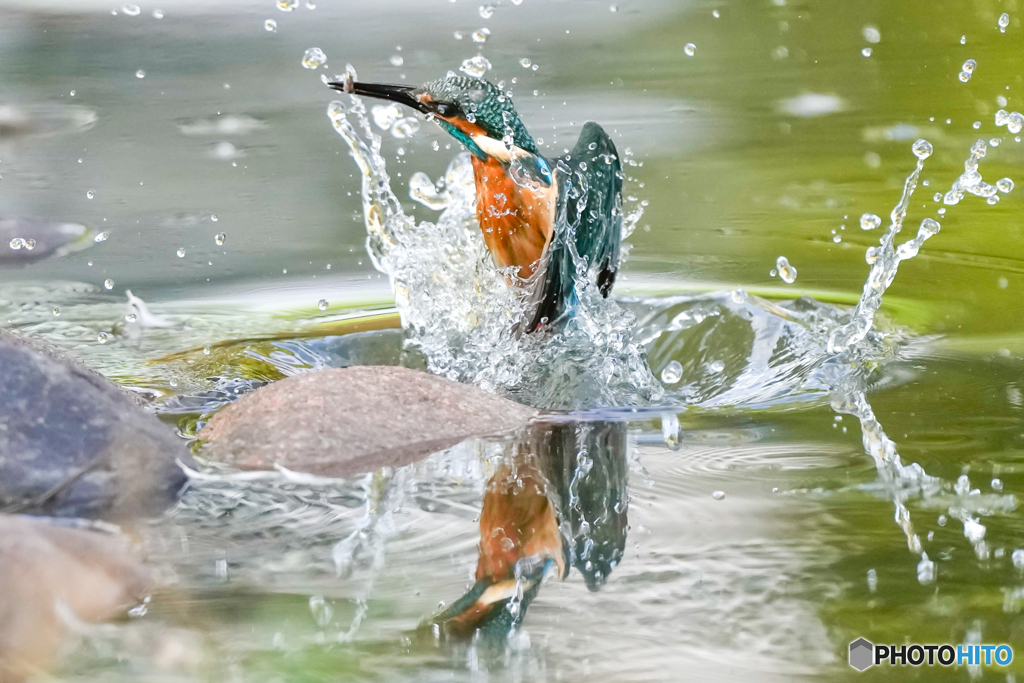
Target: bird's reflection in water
(557,500)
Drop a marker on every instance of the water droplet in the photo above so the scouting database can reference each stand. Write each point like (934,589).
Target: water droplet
(786,272)
(219,239)
(969,66)
(997,485)
(672,372)
(181,252)
(314,58)
(385,115)
(716,366)
(310,4)
(613,9)
(486,11)
(130,317)
(397,60)
(475,66)
(994,142)
(102,237)
(102,337)
(871,34)
(131,10)
(525,63)
(17,243)
(690,49)
(322,304)
(90,194)
(718,495)
(1017,557)
(922,149)
(925,570)
(964,76)
(963,40)
(866,52)
(56,310)
(270,25)
(287,5)
(213,217)
(480,36)
(140,74)
(1004,185)
(206,350)
(869,221)
(404,128)
(1004,21)
(158,14)
(108,284)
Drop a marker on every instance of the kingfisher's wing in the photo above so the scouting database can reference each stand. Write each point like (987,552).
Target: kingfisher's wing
(590,216)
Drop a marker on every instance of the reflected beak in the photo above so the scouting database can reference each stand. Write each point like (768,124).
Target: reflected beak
(402,94)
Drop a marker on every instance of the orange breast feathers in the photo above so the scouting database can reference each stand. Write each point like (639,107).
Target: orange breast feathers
(516,221)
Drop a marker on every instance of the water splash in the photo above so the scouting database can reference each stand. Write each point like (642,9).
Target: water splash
(460,312)
(885,259)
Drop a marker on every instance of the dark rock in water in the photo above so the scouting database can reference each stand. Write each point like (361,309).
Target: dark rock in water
(346,421)
(51,576)
(72,444)
(25,240)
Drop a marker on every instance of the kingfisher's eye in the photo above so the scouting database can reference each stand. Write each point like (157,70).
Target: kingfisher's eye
(445,110)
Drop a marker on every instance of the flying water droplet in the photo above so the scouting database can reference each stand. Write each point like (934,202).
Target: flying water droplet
(480,36)
(102,237)
(140,74)
(219,239)
(925,570)
(690,49)
(486,11)
(475,66)
(969,66)
(56,310)
(314,58)
(787,273)
(270,25)
(1004,21)
(1017,557)
(130,317)
(102,337)
(525,63)
(385,115)
(871,34)
(180,253)
(672,372)
(1004,185)
(869,221)
(405,128)
(108,284)
(922,149)
(322,304)
(158,14)
(90,194)
(715,367)
(131,10)
(866,52)
(287,5)
(17,243)
(397,60)
(718,495)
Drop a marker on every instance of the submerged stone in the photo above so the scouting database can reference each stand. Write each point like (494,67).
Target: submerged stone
(53,577)
(72,444)
(347,421)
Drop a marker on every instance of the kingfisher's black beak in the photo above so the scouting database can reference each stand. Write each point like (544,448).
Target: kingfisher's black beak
(401,94)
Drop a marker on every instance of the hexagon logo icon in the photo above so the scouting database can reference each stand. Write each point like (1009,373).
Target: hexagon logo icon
(862,654)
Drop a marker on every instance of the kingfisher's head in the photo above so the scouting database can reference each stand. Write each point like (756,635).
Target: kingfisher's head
(473,111)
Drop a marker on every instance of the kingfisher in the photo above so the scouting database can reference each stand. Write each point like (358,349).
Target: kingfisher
(553,221)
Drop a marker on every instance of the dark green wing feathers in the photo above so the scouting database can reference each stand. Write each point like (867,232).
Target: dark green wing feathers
(589,217)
